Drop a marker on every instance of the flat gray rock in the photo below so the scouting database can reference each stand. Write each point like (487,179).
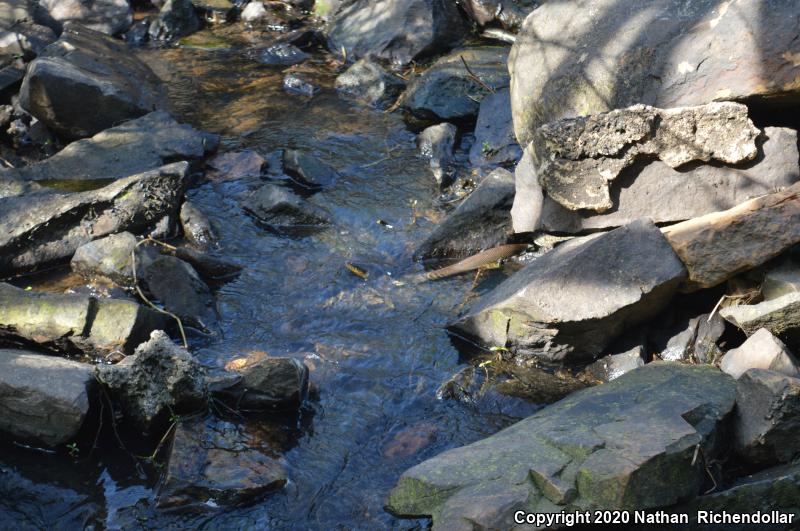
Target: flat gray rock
(762,350)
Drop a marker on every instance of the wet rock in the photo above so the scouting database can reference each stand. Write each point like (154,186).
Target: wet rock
(762,350)
(495,144)
(296,84)
(668,195)
(24,38)
(138,34)
(108,257)
(538,385)
(577,159)
(526,212)
(196,227)
(176,19)
(447,90)
(253,11)
(700,53)
(43,399)
(717,246)
(368,82)
(181,291)
(278,207)
(235,165)
(570,303)
(602,447)
(160,379)
(106,16)
(218,461)
(780,281)
(398,30)
(480,222)
(767,417)
(281,54)
(210,268)
(509,14)
(45,228)
(436,143)
(611,367)
(266,383)
(132,147)
(74,322)
(85,68)
(307,170)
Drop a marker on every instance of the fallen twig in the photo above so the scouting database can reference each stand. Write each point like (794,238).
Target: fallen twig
(475,78)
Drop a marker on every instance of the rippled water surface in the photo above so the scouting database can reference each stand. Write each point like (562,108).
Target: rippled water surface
(376,348)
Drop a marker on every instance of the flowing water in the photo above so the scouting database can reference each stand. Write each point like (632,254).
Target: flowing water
(377,349)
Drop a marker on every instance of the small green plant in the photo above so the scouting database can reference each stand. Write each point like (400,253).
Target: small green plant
(487,149)
(73,450)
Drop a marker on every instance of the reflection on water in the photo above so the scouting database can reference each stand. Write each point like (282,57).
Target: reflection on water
(376,348)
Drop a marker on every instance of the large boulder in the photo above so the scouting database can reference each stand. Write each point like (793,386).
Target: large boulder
(581,57)
(570,303)
(495,143)
(106,16)
(398,30)
(43,399)
(160,379)
(449,90)
(74,322)
(670,195)
(719,245)
(480,222)
(629,444)
(135,146)
(45,228)
(87,69)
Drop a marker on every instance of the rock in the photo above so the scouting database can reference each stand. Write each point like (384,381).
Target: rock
(717,246)
(526,212)
(780,281)
(74,322)
(46,228)
(494,133)
(600,448)
(235,165)
(135,146)
(210,268)
(368,82)
(767,417)
(780,316)
(108,257)
(253,11)
(666,55)
(181,291)
(297,84)
(217,461)
(215,11)
(436,143)
(447,90)
(307,170)
(576,159)
(160,379)
(266,383)
(95,70)
(106,16)
(24,38)
(696,342)
(509,14)
(480,222)
(667,195)
(196,227)
(278,207)
(175,20)
(43,399)
(281,54)
(762,350)
(569,304)
(611,367)
(398,30)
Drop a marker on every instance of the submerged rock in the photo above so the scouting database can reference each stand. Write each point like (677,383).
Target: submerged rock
(368,82)
(196,226)
(235,165)
(480,222)
(210,268)
(600,448)
(398,30)
(45,228)
(436,143)
(281,54)
(448,90)
(213,460)
(701,52)
(762,350)
(570,303)
(308,171)
(266,383)
(494,133)
(135,146)
(296,84)
(717,246)
(160,379)
(278,207)
(43,399)
(176,19)
(95,70)
(106,16)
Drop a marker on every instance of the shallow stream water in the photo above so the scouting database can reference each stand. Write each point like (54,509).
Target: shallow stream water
(377,349)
